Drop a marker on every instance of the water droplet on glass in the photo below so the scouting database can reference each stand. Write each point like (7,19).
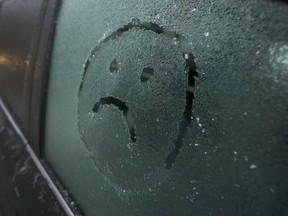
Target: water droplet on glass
(130,145)
(91,114)
(176,41)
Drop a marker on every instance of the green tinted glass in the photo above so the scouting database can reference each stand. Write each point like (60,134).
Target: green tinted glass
(171,107)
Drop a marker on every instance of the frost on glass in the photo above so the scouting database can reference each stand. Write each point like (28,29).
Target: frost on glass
(135,104)
(118,132)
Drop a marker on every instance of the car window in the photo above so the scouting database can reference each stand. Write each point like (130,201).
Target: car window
(170,107)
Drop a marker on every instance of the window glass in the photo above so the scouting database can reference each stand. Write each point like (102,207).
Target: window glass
(171,107)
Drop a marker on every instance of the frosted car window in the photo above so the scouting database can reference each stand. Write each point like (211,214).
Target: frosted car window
(144,105)
(169,108)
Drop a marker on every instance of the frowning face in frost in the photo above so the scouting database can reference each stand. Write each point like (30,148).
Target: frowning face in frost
(135,104)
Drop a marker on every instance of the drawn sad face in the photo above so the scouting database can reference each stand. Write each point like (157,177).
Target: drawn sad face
(135,104)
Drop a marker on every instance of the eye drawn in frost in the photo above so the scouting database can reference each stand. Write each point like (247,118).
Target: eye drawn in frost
(147,73)
(113,66)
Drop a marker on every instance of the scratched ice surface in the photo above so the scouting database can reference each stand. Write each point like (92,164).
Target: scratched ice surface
(109,141)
